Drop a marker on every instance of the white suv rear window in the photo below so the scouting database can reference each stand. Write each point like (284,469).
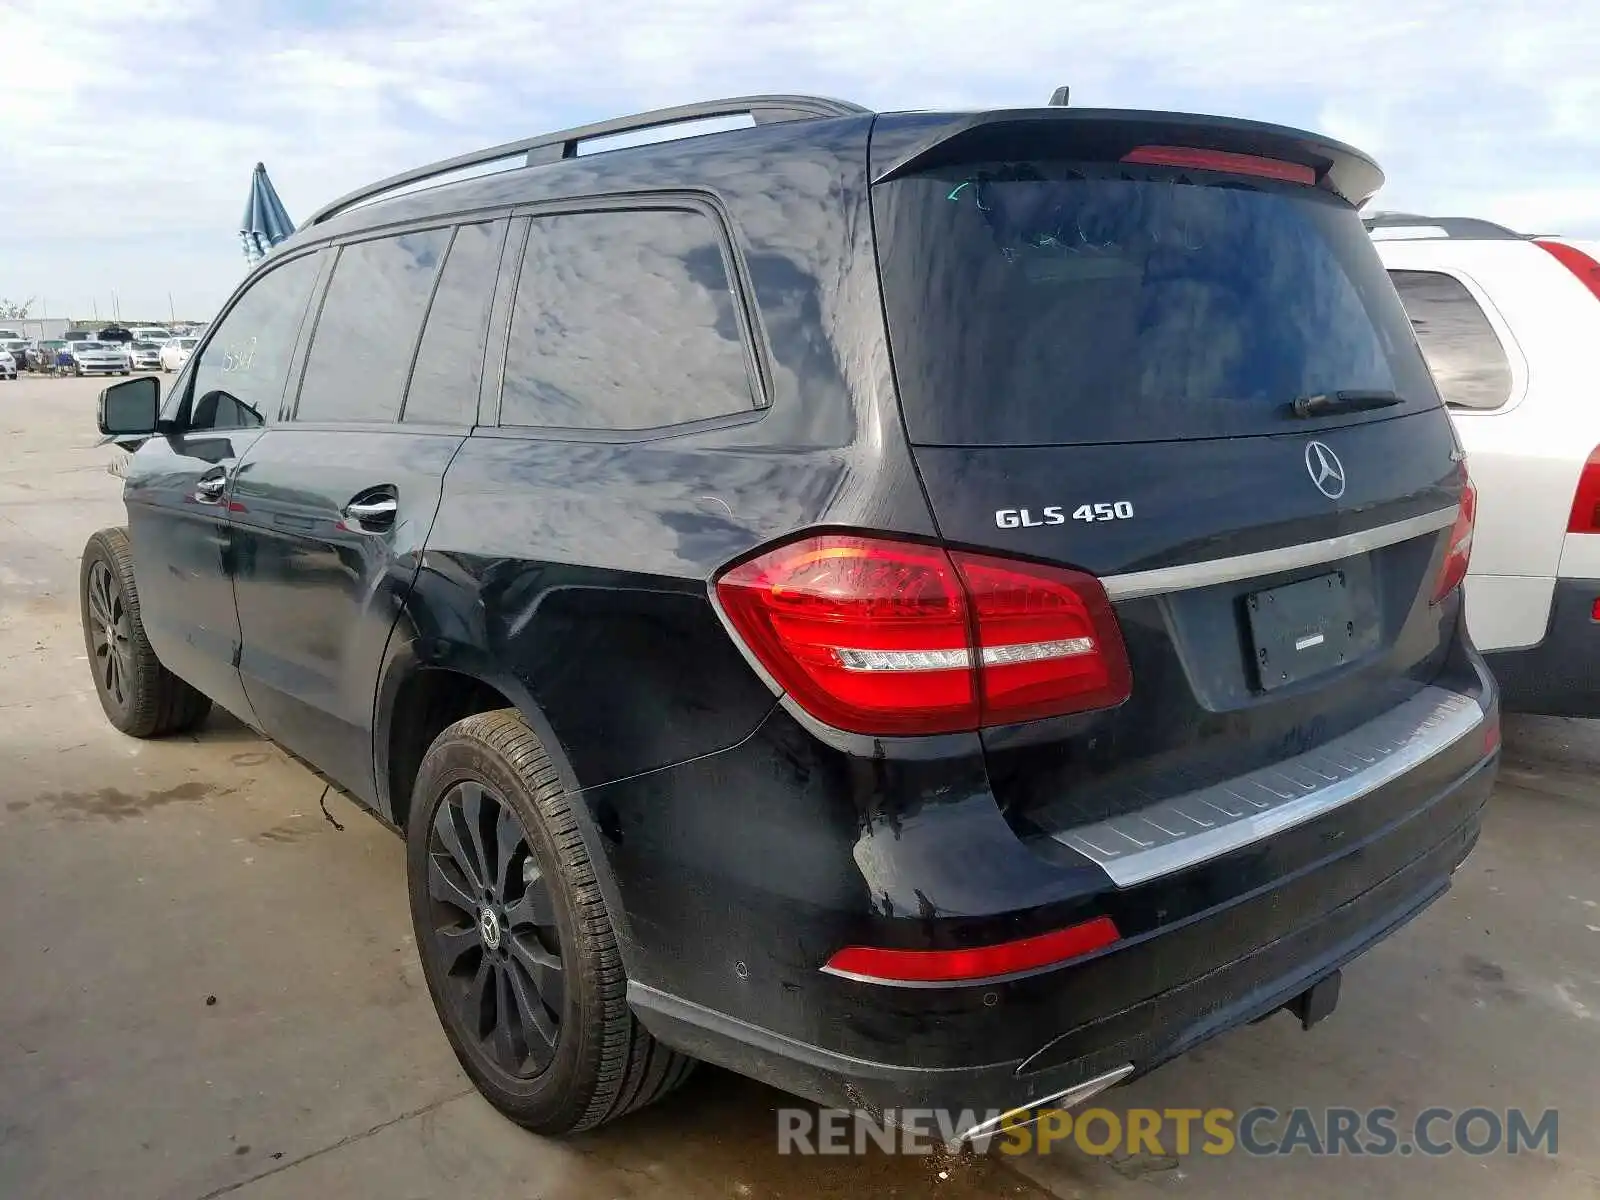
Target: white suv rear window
(1467,360)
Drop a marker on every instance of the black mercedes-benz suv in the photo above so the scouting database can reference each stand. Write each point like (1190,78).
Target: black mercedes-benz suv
(921,609)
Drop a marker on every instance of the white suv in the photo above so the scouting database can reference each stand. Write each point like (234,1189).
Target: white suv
(1510,326)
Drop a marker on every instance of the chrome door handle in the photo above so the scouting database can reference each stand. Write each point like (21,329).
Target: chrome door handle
(209,489)
(377,511)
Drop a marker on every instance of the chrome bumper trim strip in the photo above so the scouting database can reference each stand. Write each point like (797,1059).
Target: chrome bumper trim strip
(1190,829)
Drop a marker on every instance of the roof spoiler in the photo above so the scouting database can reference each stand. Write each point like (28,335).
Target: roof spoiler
(1108,134)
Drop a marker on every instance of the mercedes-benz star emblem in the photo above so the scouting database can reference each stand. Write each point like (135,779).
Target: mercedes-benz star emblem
(1325,469)
(489,928)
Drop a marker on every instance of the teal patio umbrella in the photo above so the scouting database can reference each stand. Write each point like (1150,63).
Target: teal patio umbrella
(265,222)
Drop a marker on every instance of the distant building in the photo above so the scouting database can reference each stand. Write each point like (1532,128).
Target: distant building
(43,330)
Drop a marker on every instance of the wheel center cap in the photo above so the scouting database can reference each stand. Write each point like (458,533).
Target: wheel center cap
(489,927)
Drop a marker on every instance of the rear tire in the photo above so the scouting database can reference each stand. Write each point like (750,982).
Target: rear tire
(140,697)
(563,974)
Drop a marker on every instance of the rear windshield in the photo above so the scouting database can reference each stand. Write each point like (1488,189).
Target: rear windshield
(1045,303)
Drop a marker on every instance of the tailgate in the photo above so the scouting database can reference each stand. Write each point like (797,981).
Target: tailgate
(1099,364)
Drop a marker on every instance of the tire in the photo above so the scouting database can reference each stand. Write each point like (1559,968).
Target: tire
(603,1063)
(140,697)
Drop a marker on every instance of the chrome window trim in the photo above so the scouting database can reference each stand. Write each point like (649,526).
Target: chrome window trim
(1269,562)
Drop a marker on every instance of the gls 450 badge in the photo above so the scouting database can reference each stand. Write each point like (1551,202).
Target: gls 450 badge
(1055,514)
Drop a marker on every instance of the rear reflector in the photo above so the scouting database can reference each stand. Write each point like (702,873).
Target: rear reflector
(979,962)
(1221,160)
(884,637)
(1585,514)
(1576,261)
(1458,554)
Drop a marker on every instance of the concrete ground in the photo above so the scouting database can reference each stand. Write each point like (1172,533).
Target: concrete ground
(208,989)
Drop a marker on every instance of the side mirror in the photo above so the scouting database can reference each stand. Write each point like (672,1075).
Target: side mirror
(132,407)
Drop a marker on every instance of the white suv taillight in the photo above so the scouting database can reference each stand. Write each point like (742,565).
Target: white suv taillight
(1580,264)
(879,636)
(1458,553)
(1585,514)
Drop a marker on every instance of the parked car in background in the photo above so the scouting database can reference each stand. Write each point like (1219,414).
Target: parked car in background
(150,333)
(100,358)
(1509,325)
(8,364)
(176,352)
(975,734)
(10,335)
(144,356)
(74,336)
(17,347)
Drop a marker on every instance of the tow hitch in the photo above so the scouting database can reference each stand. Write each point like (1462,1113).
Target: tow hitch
(1317,1001)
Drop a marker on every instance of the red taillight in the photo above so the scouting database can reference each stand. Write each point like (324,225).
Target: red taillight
(1585,514)
(1458,553)
(1221,160)
(891,638)
(1048,640)
(1576,261)
(978,962)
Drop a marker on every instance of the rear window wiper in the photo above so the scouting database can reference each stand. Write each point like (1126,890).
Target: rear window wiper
(1326,404)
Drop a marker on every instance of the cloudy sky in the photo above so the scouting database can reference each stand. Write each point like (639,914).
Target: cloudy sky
(128,131)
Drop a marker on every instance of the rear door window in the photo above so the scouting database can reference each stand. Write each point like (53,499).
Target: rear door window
(624,320)
(1465,355)
(361,351)
(444,382)
(1041,303)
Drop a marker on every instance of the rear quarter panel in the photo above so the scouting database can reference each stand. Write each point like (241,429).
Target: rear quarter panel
(575,571)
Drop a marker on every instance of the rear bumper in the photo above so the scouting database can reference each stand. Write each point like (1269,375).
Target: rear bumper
(1560,675)
(727,969)
(1144,1034)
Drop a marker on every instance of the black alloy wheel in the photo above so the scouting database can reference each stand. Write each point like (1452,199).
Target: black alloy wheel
(139,695)
(493,930)
(110,637)
(516,937)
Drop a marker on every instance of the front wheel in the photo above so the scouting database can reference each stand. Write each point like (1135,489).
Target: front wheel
(140,696)
(517,947)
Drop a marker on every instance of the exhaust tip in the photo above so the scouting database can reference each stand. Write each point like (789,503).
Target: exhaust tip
(1031,1111)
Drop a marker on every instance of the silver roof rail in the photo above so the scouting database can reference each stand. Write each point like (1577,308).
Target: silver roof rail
(553,147)
(1442,227)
